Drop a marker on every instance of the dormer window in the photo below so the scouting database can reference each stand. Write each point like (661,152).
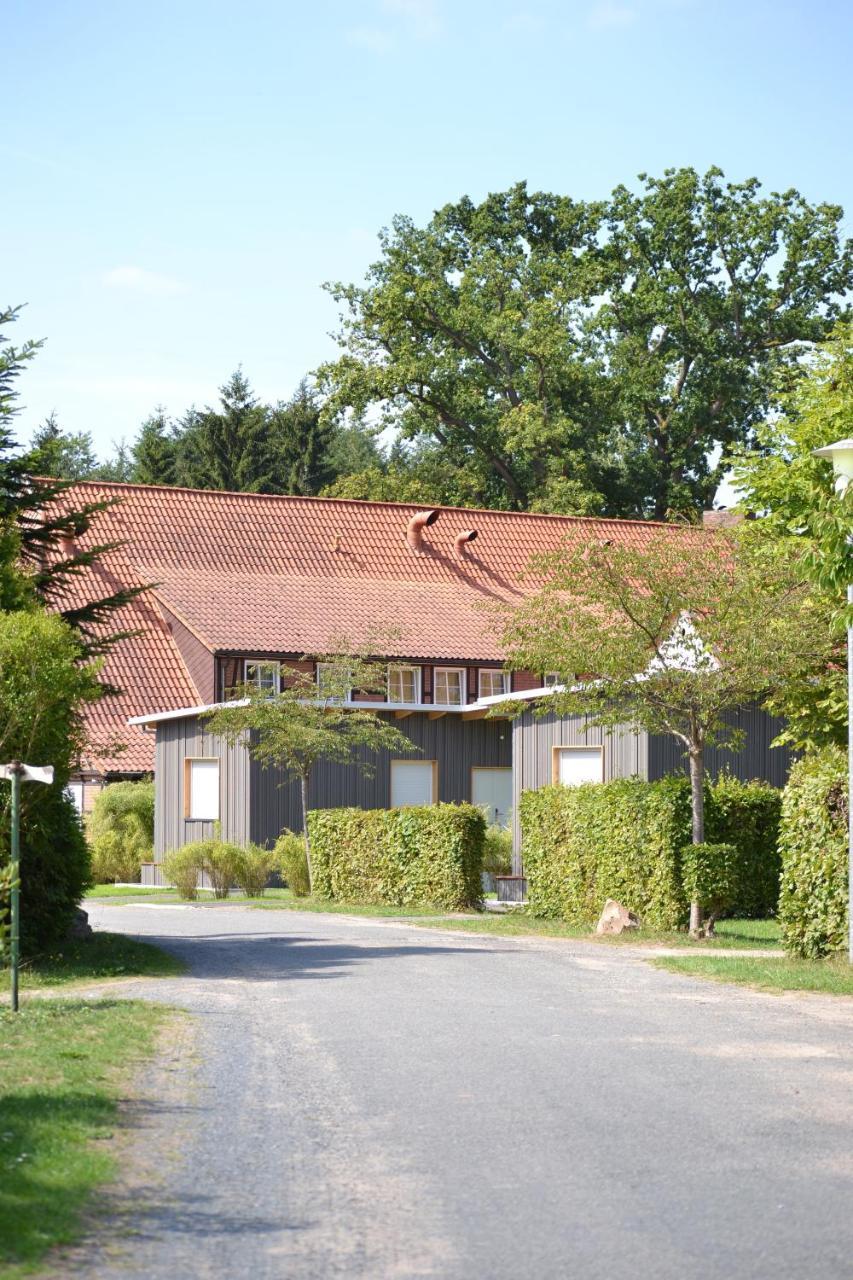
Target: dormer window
(493,684)
(449,686)
(266,675)
(404,684)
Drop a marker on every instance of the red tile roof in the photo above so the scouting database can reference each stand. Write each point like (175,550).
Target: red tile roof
(252,572)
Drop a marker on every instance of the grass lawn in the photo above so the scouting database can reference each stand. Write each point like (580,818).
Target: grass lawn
(747,934)
(833,976)
(273,900)
(104,955)
(65,1065)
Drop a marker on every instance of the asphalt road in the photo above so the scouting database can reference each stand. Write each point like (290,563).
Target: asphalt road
(373,1100)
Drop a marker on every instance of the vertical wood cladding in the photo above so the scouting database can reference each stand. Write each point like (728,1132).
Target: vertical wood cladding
(257,804)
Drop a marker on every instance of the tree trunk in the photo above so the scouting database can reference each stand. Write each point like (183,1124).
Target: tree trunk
(697,799)
(303,783)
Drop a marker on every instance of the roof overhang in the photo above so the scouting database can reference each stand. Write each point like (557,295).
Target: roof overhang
(409,708)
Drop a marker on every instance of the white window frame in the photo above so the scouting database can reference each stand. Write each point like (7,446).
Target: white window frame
(463,686)
(190,812)
(559,749)
(550,678)
(397,668)
(318,676)
(487,674)
(252,668)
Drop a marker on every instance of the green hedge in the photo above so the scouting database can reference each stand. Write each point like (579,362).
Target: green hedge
(429,856)
(813,843)
(623,840)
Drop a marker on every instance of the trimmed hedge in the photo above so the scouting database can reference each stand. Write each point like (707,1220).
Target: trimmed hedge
(813,843)
(624,840)
(429,856)
(121,830)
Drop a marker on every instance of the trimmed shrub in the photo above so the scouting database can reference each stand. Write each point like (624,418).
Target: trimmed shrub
(813,840)
(292,860)
(222,862)
(254,869)
(497,851)
(710,875)
(121,830)
(182,868)
(746,814)
(624,840)
(430,855)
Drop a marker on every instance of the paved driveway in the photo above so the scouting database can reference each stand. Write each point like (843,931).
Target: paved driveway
(375,1100)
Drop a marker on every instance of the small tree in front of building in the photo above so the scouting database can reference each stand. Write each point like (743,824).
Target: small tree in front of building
(313,718)
(670,638)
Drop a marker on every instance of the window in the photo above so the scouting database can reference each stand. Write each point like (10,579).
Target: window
(332,682)
(201,790)
(413,782)
(75,792)
(574,765)
(404,684)
(449,686)
(493,684)
(266,675)
(550,678)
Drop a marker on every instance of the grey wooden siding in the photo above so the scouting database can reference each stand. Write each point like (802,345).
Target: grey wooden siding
(257,803)
(533,740)
(756,759)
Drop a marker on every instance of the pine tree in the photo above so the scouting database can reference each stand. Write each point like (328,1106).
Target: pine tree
(62,455)
(301,443)
(154,451)
(227,448)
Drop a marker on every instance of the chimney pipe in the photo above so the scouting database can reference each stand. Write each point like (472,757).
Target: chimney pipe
(416,526)
(461,541)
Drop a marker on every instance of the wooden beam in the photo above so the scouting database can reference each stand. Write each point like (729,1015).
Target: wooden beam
(435,715)
(401,715)
(474,715)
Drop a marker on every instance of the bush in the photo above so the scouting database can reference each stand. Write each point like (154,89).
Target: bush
(710,875)
(222,862)
(182,868)
(430,855)
(292,861)
(497,851)
(121,830)
(254,869)
(813,840)
(624,839)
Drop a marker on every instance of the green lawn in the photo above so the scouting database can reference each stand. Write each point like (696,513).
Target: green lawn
(65,1065)
(747,934)
(273,900)
(833,976)
(104,955)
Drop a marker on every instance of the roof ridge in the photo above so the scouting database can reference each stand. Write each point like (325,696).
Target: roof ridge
(370,502)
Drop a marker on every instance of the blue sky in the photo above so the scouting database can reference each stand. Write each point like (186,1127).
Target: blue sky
(182,176)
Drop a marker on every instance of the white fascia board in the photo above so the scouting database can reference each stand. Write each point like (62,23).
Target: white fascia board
(184,713)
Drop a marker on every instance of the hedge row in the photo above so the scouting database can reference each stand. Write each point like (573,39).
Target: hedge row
(623,840)
(813,843)
(429,856)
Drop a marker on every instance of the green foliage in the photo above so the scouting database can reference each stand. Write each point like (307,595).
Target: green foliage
(222,862)
(254,868)
(154,452)
(624,840)
(182,868)
(583,356)
(61,455)
(497,851)
(292,859)
(121,831)
(813,840)
(42,689)
(795,492)
(710,874)
(430,855)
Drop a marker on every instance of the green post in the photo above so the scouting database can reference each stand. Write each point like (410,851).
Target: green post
(15,941)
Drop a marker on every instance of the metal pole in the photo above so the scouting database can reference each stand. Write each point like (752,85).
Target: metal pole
(850,774)
(15,869)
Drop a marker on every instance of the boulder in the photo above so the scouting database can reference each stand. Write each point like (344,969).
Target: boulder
(80,927)
(616,919)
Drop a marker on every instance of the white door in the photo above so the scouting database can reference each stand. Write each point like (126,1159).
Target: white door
(575,765)
(412,782)
(491,791)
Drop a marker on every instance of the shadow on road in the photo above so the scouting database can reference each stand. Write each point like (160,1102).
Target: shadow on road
(262,959)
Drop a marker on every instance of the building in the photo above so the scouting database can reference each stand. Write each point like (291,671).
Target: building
(246,586)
